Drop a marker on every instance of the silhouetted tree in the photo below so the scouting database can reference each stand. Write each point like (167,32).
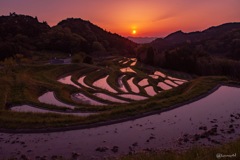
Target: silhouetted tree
(88,60)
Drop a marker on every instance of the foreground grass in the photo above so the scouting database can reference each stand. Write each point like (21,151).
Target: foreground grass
(198,153)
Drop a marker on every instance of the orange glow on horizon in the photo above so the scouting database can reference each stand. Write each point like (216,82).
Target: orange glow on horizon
(154,17)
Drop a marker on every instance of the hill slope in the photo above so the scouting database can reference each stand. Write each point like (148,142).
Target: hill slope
(180,37)
(26,35)
(215,51)
(98,39)
(142,40)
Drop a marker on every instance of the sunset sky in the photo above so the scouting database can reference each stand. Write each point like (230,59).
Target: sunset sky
(146,17)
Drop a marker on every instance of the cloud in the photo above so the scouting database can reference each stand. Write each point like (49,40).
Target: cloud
(163,17)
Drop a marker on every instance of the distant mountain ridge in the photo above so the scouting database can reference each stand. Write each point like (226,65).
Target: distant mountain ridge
(181,37)
(142,40)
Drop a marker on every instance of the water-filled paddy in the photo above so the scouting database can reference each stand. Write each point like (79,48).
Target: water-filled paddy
(79,97)
(154,76)
(133,97)
(67,80)
(49,98)
(122,86)
(27,108)
(158,73)
(179,82)
(133,87)
(164,86)
(125,85)
(81,81)
(143,82)
(150,91)
(102,83)
(128,69)
(170,83)
(176,79)
(109,98)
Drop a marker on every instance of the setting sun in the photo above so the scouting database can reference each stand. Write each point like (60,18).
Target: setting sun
(134,31)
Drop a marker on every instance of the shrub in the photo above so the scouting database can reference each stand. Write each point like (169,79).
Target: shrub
(77,58)
(88,60)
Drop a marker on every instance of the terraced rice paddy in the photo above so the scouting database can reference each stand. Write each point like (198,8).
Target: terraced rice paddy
(108,92)
(100,86)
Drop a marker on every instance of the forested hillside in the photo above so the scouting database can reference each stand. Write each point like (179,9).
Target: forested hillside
(21,34)
(215,51)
